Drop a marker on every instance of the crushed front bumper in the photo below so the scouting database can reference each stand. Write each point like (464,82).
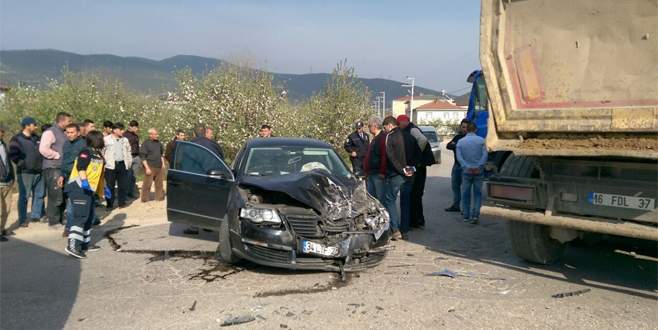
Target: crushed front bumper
(280,248)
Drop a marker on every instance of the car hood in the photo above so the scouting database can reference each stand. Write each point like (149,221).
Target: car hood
(331,196)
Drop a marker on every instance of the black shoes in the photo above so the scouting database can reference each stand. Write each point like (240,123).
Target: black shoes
(74,249)
(3,238)
(452,209)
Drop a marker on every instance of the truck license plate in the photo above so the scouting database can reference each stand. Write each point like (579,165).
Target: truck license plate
(315,248)
(627,202)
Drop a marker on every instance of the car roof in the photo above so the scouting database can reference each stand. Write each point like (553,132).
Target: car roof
(286,141)
(427,128)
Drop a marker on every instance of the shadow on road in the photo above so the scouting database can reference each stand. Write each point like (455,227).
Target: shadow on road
(38,286)
(590,264)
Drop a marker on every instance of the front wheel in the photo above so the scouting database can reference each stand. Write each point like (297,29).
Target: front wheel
(533,242)
(225,249)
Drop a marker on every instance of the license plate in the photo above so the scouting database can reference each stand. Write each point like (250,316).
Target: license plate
(627,202)
(315,248)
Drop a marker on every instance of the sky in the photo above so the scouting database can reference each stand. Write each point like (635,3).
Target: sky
(435,41)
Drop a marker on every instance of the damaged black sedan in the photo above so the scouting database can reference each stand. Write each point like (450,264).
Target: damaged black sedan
(287,202)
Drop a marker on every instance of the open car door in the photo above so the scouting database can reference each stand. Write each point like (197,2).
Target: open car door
(199,185)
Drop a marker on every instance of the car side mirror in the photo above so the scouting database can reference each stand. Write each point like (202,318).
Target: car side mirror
(217,174)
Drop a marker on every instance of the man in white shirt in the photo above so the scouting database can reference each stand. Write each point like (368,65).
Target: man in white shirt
(118,159)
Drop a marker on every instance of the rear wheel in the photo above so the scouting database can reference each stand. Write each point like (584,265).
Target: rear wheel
(225,249)
(531,242)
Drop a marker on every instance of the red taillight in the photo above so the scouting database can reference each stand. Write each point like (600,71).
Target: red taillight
(517,193)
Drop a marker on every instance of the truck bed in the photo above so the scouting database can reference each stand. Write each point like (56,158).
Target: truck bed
(572,77)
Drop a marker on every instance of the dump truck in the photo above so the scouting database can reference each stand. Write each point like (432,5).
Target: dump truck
(569,94)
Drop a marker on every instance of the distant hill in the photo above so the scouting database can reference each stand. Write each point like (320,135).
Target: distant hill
(148,76)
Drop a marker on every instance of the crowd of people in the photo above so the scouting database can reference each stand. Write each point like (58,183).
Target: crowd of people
(79,168)
(394,162)
(74,168)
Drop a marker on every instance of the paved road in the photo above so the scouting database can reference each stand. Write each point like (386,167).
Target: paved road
(133,283)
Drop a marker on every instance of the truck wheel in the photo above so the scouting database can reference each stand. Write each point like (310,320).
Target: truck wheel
(225,249)
(532,242)
(520,166)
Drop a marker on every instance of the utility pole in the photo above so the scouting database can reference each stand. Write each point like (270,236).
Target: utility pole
(411,101)
(383,103)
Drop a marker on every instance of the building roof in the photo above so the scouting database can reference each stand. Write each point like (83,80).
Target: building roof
(439,105)
(407,98)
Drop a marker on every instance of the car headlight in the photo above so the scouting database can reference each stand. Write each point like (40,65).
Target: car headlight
(260,215)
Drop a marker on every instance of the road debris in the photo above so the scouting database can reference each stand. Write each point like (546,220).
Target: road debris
(571,293)
(193,307)
(335,284)
(235,320)
(445,272)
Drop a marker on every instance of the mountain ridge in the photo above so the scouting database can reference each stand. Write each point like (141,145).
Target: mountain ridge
(36,66)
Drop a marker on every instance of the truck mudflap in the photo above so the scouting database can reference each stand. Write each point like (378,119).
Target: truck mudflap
(589,224)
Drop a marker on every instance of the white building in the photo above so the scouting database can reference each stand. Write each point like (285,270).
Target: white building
(444,111)
(400,106)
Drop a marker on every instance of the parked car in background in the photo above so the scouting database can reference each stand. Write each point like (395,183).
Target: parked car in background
(434,140)
(287,202)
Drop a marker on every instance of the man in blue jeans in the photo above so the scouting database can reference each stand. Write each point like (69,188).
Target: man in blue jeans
(395,172)
(72,148)
(24,152)
(456,174)
(472,155)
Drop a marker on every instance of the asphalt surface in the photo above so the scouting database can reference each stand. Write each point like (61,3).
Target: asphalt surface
(148,279)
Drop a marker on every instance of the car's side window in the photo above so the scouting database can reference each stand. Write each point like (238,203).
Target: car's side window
(195,159)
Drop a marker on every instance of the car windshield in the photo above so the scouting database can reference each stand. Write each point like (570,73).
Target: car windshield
(274,161)
(431,136)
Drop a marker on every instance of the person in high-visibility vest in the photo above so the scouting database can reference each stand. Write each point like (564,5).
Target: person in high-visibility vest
(86,179)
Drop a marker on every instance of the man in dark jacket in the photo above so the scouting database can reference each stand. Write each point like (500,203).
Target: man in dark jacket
(396,171)
(456,174)
(356,146)
(171,146)
(151,154)
(413,156)
(422,158)
(204,138)
(24,152)
(72,148)
(375,161)
(6,183)
(133,139)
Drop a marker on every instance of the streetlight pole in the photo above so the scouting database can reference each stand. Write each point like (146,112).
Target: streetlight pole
(411,101)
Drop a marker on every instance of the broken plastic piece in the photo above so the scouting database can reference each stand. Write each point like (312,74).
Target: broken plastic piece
(235,320)
(445,272)
(571,293)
